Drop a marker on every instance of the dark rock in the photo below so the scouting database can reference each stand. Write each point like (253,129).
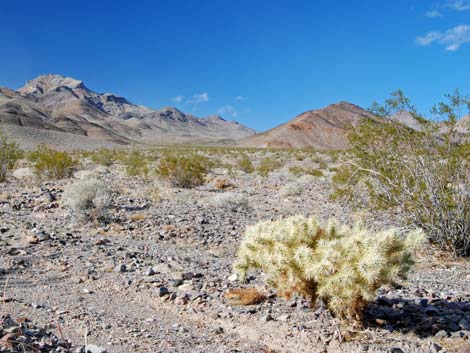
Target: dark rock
(120,268)
(162,291)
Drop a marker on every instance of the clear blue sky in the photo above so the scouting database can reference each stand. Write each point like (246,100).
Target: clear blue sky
(258,62)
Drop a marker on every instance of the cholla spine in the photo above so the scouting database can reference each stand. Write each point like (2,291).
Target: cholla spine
(340,264)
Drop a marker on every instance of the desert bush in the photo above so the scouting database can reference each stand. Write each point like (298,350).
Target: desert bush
(104,157)
(307,179)
(342,265)
(10,153)
(184,170)
(292,189)
(230,201)
(136,163)
(424,177)
(89,199)
(299,171)
(51,163)
(245,164)
(267,165)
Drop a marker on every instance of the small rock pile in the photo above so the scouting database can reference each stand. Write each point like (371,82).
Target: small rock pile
(20,335)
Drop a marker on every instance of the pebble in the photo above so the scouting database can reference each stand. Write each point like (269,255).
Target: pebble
(120,268)
(162,291)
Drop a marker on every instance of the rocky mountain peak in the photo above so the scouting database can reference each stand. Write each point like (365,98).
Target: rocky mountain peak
(215,119)
(50,82)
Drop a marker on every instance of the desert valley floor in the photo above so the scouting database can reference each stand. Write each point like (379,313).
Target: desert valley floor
(156,278)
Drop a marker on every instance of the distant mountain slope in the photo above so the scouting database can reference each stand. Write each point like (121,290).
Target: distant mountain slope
(325,128)
(65,104)
(172,122)
(16,110)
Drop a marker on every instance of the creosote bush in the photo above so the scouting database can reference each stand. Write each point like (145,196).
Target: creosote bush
(89,199)
(136,163)
(342,265)
(104,157)
(245,164)
(184,170)
(421,176)
(299,171)
(267,165)
(9,155)
(51,163)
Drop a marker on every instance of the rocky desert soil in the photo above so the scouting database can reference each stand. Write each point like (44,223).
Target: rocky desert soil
(155,279)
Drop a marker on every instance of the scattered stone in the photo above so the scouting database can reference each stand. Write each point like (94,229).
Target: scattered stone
(91,348)
(120,268)
(267,317)
(150,272)
(162,291)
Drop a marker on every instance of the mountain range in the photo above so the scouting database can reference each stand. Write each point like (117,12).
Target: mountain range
(59,104)
(64,113)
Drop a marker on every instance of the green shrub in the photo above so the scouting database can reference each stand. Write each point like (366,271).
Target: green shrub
(104,157)
(89,199)
(245,164)
(9,155)
(422,176)
(342,265)
(299,171)
(51,163)
(184,170)
(136,164)
(267,165)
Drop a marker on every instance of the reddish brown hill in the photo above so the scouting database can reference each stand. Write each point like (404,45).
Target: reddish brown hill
(325,128)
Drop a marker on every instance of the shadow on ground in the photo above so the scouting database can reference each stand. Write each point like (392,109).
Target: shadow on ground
(421,316)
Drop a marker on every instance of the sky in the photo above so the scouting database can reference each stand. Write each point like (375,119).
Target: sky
(260,62)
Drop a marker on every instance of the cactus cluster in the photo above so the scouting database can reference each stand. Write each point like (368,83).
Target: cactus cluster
(340,264)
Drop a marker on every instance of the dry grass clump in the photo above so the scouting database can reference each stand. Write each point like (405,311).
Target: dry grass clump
(89,199)
(244,296)
(342,265)
(222,183)
(230,201)
(53,164)
(9,155)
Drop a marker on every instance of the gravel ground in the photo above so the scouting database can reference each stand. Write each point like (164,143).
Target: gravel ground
(154,279)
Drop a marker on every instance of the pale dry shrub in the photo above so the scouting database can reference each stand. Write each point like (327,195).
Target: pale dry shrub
(292,189)
(340,264)
(307,179)
(230,201)
(89,199)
